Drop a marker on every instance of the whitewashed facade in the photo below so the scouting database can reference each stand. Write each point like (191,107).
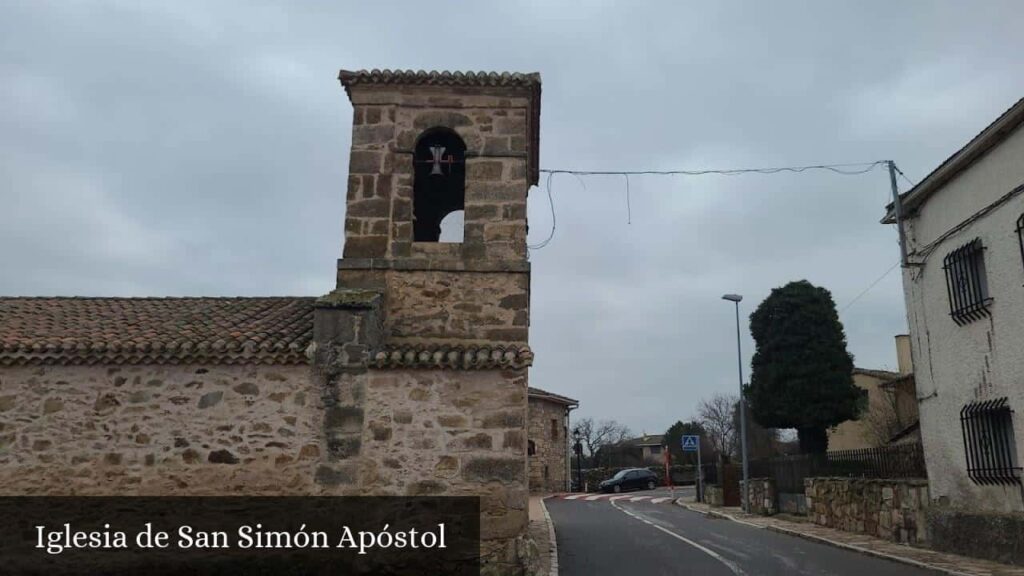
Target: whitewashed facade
(966,316)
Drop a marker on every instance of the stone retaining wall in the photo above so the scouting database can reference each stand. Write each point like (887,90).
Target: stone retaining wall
(761,496)
(714,496)
(888,509)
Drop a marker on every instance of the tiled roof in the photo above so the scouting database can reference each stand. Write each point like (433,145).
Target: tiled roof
(437,78)
(646,440)
(155,330)
(454,357)
(992,135)
(880,374)
(551,396)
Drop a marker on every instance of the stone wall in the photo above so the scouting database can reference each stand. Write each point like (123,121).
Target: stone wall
(547,464)
(714,495)
(470,307)
(888,509)
(761,496)
(394,425)
(158,430)
(388,120)
(454,433)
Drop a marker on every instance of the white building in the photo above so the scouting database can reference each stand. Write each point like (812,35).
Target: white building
(964,290)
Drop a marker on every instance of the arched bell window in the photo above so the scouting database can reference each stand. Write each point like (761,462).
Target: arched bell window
(439,187)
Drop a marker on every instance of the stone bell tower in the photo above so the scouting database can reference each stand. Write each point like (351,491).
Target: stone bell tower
(422,350)
(484,130)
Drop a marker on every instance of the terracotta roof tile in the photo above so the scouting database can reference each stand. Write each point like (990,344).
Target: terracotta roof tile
(545,395)
(437,78)
(155,330)
(880,374)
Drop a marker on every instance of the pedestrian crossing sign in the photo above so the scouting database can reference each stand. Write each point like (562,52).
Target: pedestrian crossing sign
(691,443)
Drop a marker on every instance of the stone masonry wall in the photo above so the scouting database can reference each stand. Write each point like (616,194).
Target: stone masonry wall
(890,509)
(421,431)
(158,430)
(714,496)
(488,307)
(454,433)
(761,496)
(387,121)
(547,466)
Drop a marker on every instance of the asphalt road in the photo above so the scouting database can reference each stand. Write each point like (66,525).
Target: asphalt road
(623,538)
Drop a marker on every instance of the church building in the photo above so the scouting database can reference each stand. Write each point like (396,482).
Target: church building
(410,378)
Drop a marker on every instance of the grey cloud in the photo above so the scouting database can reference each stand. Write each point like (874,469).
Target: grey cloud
(201,148)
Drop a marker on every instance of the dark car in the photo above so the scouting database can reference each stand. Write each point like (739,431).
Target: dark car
(631,479)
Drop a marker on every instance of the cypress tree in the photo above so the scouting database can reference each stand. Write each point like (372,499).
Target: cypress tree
(802,375)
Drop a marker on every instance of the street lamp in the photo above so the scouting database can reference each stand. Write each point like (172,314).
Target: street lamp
(736,299)
(577,447)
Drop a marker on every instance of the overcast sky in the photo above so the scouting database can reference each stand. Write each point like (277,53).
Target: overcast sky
(201,148)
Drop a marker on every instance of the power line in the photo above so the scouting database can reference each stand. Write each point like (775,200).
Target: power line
(551,202)
(900,172)
(868,289)
(847,169)
(837,168)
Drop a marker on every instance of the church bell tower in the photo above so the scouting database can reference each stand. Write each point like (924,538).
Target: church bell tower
(422,351)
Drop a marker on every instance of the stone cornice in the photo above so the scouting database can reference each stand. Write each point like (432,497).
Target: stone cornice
(445,265)
(455,357)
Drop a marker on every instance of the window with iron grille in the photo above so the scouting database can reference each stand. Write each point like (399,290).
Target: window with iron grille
(966,283)
(989,442)
(1020,235)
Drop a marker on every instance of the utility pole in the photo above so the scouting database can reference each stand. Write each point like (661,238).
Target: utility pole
(898,209)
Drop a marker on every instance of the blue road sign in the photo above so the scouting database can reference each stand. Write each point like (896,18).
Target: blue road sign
(691,443)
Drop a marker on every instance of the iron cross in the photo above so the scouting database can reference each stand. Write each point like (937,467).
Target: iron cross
(438,159)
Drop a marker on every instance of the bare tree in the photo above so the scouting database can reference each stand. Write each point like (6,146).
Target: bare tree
(716,415)
(596,435)
(884,419)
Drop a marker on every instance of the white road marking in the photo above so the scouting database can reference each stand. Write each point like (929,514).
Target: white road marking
(731,566)
(575,496)
(660,500)
(597,497)
(638,498)
(614,498)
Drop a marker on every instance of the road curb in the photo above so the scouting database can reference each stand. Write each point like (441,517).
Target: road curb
(823,540)
(552,543)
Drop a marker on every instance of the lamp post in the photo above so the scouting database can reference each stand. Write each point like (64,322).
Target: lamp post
(577,447)
(735,299)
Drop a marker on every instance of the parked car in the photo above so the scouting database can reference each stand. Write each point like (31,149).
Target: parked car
(630,479)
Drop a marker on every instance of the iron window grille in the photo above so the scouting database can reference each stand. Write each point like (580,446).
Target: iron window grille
(966,283)
(1020,236)
(989,442)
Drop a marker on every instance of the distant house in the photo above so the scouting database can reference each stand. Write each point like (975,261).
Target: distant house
(642,450)
(891,411)
(547,445)
(964,292)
